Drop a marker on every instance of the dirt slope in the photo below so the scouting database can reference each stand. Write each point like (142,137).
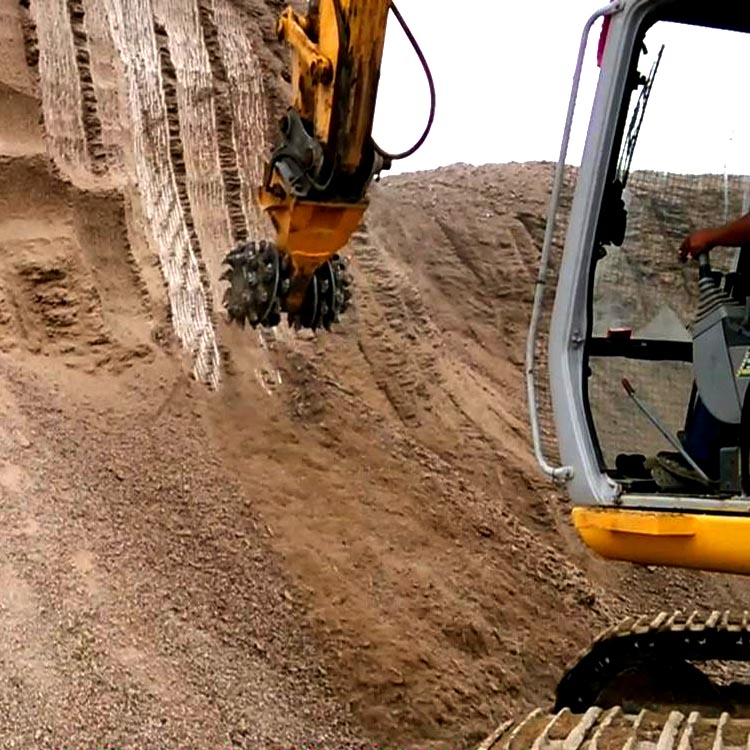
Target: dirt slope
(345,539)
(444,571)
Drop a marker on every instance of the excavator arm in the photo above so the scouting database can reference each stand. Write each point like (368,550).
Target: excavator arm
(316,180)
(317,177)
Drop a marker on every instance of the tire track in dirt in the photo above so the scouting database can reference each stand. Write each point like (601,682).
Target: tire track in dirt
(92,126)
(224,124)
(150,290)
(31,52)
(252,57)
(399,349)
(106,74)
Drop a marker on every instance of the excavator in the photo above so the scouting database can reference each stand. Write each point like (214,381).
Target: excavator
(647,681)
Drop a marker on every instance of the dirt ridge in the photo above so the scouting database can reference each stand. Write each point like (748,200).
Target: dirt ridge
(224,124)
(92,126)
(177,155)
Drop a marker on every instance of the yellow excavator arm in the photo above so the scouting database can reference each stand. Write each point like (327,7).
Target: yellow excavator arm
(316,180)
(317,177)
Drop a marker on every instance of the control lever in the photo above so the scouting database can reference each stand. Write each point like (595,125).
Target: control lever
(704,265)
(676,444)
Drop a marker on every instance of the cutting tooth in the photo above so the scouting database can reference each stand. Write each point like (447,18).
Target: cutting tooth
(259,276)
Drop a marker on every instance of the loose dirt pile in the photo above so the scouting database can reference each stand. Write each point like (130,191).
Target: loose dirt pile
(345,540)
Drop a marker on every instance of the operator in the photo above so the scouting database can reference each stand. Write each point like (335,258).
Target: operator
(705,435)
(733,234)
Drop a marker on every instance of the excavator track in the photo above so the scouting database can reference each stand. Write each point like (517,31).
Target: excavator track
(615,729)
(663,647)
(687,711)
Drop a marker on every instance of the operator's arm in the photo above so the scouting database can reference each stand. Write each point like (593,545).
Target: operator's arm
(733,234)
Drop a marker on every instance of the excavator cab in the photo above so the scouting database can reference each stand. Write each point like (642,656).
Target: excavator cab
(646,360)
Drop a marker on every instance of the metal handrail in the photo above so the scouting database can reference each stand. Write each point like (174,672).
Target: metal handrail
(557,473)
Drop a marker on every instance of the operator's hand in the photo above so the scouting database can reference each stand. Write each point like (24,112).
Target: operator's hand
(695,244)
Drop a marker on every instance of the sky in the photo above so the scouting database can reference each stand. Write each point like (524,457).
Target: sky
(503,73)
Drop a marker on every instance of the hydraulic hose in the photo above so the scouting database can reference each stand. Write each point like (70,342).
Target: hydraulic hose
(433,95)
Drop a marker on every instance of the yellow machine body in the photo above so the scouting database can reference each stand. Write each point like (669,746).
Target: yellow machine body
(711,541)
(311,231)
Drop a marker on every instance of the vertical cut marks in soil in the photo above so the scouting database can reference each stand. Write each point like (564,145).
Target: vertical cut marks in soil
(224,124)
(177,152)
(92,126)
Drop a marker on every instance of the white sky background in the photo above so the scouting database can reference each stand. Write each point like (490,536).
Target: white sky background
(503,73)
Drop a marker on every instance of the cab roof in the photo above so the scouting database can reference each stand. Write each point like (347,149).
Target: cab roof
(732,15)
